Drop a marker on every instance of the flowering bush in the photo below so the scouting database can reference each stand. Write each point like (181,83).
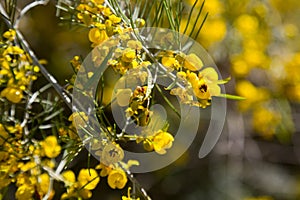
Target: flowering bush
(109,105)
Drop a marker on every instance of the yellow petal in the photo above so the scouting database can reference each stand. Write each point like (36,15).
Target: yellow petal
(193,62)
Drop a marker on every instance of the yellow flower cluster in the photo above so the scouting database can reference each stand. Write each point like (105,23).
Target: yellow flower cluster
(87,180)
(138,106)
(16,69)
(128,57)
(102,22)
(159,142)
(22,164)
(203,85)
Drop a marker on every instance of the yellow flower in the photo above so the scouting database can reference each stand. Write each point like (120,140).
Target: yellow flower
(85,194)
(78,119)
(265,121)
(97,35)
(51,147)
(210,77)
(123,96)
(134,44)
(69,177)
(201,90)
(25,192)
(114,19)
(13,50)
(140,23)
(3,134)
(205,85)
(105,170)
(10,34)
(43,184)
(88,178)
(192,62)
(170,62)
(28,166)
(112,153)
(128,55)
(251,93)
(117,179)
(247,24)
(213,31)
(98,2)
(12,94)
(161,141)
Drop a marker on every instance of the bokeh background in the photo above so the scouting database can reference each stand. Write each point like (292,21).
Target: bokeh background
(257,44)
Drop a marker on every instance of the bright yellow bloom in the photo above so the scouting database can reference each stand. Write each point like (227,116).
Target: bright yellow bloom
(117,179)
(105,170)
(98,2)
(69,177)
(210,78)
(88,178)
(10,34)
(51,147)
(28,166)
(114,19)
(192,62)
(205,85)
(43,184)
(13,50)
(161,141)
(12,94)
(128,55)
(25,192)
(97,35)
(170,62)
(140,23)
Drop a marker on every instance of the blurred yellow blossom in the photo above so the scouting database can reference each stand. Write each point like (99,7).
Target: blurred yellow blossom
(265,122)
(43,185)
(128,55)
(12,94)
(247,24)
(51,147)
(3,134)
(10,34)
(25,192)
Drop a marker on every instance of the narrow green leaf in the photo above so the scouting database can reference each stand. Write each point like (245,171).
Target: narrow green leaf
(189,17)
(233,97)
